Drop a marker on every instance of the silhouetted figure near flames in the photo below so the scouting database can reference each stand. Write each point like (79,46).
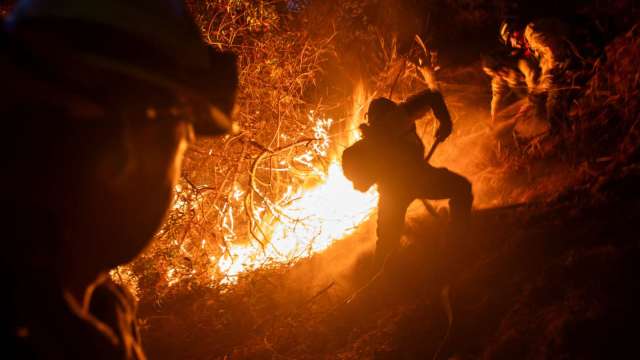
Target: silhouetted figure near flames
(391,155)
(104,97)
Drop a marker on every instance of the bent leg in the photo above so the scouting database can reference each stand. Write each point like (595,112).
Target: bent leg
(391,212)
(440,183)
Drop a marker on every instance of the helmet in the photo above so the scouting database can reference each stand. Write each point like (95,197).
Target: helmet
(380,109)
(150,41)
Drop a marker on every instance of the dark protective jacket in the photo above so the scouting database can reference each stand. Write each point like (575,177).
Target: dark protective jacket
(391,150)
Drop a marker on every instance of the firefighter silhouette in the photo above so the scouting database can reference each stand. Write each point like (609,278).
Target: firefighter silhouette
(391,155)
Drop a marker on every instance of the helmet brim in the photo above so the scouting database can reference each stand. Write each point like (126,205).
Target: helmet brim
(208,118)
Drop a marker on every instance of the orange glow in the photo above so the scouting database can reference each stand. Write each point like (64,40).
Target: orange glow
(310,224)
(312,218)
(303,221)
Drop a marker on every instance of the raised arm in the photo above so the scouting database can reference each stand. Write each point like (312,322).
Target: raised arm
(417,105)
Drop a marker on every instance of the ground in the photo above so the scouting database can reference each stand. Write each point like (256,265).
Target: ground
(553,280)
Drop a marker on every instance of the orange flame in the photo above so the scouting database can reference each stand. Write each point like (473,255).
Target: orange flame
(313,218)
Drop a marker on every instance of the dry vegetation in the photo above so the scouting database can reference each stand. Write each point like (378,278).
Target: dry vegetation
(224,180)
(289,68)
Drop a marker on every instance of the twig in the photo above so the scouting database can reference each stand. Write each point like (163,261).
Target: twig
(395,81)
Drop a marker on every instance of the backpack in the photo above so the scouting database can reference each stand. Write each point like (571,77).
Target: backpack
(358,165)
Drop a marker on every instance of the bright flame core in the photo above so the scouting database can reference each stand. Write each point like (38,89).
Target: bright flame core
(304,220)
(313,218)
(310,224)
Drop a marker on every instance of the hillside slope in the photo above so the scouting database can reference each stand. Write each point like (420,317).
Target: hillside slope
(551,277)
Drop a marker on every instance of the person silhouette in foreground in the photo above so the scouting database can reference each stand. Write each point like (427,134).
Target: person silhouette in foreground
(105,96)
(391,155)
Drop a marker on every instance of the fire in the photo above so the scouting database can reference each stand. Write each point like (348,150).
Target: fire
(310,224)
(303,221)
(313,218)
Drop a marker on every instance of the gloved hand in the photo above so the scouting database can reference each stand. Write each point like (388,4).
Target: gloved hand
(443,132)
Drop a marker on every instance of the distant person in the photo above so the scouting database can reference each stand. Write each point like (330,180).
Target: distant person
(546,41)
(513,69)
(100,99)
(391,155)
(506,78)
